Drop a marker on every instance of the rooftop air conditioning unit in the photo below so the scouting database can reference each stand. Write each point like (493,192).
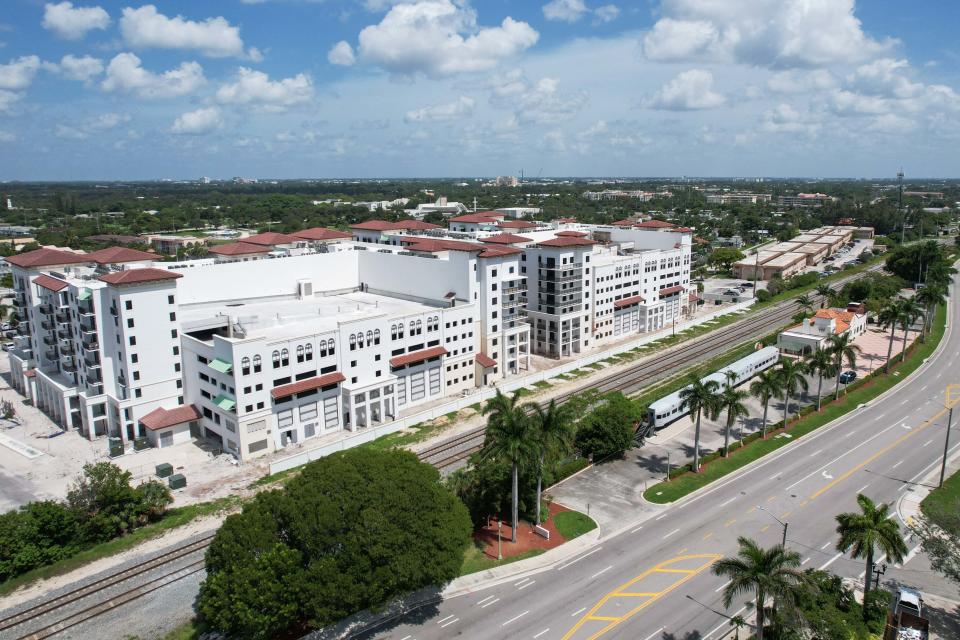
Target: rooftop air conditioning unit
(304,289)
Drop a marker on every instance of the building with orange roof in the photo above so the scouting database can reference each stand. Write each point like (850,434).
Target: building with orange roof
(813,333)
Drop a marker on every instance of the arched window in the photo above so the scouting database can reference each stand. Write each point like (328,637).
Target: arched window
(393,332)
(353,342)
(419,327)
(276,359)
(245,365)
(285,357)
(400,330)
(300,353)
(332,346)
(376,336)
(256,363)
(309,350)
(369,338)
(413,328)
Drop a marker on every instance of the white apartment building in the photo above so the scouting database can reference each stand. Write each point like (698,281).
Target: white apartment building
(738,197)
(314,333)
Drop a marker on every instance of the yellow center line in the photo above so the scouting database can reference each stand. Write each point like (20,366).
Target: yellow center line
(804,503)
(708,536)
(682,551)
(771,498)
(642,594)
(751,509)
(883,451)
(785,515)
(764,528)
(649,598)
(729,522)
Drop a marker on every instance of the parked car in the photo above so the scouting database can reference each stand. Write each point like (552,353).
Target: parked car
(7,346)
(848,376)
(748,285)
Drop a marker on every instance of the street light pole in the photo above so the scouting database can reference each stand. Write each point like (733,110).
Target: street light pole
(499,538)
(783,524)
(946,447)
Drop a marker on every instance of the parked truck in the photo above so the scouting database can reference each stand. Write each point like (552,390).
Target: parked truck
(906,621)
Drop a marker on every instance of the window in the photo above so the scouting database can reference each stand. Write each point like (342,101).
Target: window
(173,333)
(245,366)
(276,359)
(134,358)
(393,332)
(129,323)
(256,364)
(173,316)
(169,299)
(137,393)
(285,357)
(128,305)
(376,336)
(332,346)
(136,375)
(176,351)
(413,328)
(300,353)
(259,387)
(133,341)
(353,342)
(176,366)
(369,338)
(309,352)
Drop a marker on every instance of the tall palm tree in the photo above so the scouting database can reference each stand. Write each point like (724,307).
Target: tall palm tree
(820,362)
(841,347)
(765,386)
(930,296)
(699,398)
(909,312)
(826,292)
(791,377)
(768,573)
(889,317)
(805,303)
(871,529)
(732,402)
(554,433)
(509,436)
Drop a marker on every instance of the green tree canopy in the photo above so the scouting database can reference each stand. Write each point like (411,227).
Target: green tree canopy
(608,430)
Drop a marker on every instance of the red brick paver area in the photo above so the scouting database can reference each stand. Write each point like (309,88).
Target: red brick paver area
(527,539)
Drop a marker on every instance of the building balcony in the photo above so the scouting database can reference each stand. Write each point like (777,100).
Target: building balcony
(21,342)
(94,377)
(95,390)
(560,267)
(92,359)
(50,340)
(555,277)
(24,328)
(63,332)
(85,307)
(47,325)
(46,308)
(65,345)
(20,299)
(91,346)
(50,353)
(88,323)
(571,288)
(63,315)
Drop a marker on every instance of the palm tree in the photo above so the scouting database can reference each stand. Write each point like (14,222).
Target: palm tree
(826,292)
(930,296)
(765,386)
(732,401)
(791,377)
(909,312)
(841,347)
(888,317)
(769,573)
(820,362)
(554,432)
(872,528)
(509,436)
(805,303)
(699,397)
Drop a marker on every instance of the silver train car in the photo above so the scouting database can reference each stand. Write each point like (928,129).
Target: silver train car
(669,408)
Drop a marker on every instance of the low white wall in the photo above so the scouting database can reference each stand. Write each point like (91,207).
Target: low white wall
(511,384)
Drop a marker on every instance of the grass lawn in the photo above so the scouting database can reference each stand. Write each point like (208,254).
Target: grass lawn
(942,499)
(173,518)
(186,631)
(572,524)
(542,384)
(476,560)
(862,392)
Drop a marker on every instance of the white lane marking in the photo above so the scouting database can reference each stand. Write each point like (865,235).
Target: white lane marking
(541,633)
(897,465)
(909,556)
(588,553)
(728,501)
(577,612)
(928,442)
(450,623)
(494,601)
(805,561)
(849,433)
(515,618)
(444,620)
(905,402)
(601,572)
(637,529)
(722,587)
(520,582)
(406,637)
(671,533)
(880,417)
(485,599)
(531,583)
(826,544)
(724,623)
(661,517)
(831,561)
(775,476)
(654,634)
(860,490)
(817,452)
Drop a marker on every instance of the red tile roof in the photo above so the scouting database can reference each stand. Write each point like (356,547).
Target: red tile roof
(418,356)
(506,238)
(835,314)
(627,302)
(375,225)
(115,255)
(270,238)
(486,217)
(623,223)
(435,245)
(161,418)
(566,242)
(498,251)
(683,230)
(517,224)
(669,291)
(655,224)
(572,234)
(139,276)
(567,220)
(485,361)
(309,384)
(415,225)
(238,249)
(47,258)
(47,282)
(322,233)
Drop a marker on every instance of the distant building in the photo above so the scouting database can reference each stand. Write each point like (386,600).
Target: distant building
(441,206)
(738,198)
(171,244)
(813,333)
(16,230)
(518,212)
(733,241)
(617,194)
(805,200)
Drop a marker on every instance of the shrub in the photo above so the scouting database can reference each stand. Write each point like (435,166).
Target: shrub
(608,430)
(763,295)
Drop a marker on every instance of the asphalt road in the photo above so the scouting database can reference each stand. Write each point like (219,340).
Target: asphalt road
(638,585)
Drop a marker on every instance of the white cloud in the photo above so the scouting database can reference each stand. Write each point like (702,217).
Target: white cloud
(772,33)
(784,118)
(18,74)
(540,102)
(255,88)
(84,130)
(564,10)
(145,28)
(82,69)
(439,38)
(72,23)
(887,77)
(198,122)
(7,100)
(554,141)
(689,91)
(459,108)
(607,13)
(798,81)
(125,73)
(6,136)
(341,54)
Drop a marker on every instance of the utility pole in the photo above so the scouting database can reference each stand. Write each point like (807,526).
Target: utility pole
(877,572)
(903,218)
(946,447)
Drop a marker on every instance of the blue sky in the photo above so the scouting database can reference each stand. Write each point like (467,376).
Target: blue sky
(388,88)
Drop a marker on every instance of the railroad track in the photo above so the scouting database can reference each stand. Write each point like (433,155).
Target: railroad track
(37,612)
(451,452)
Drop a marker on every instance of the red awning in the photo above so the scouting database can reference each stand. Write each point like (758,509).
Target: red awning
(418,356)
(301,386)
(669,291)
(485,361)
(627,302)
